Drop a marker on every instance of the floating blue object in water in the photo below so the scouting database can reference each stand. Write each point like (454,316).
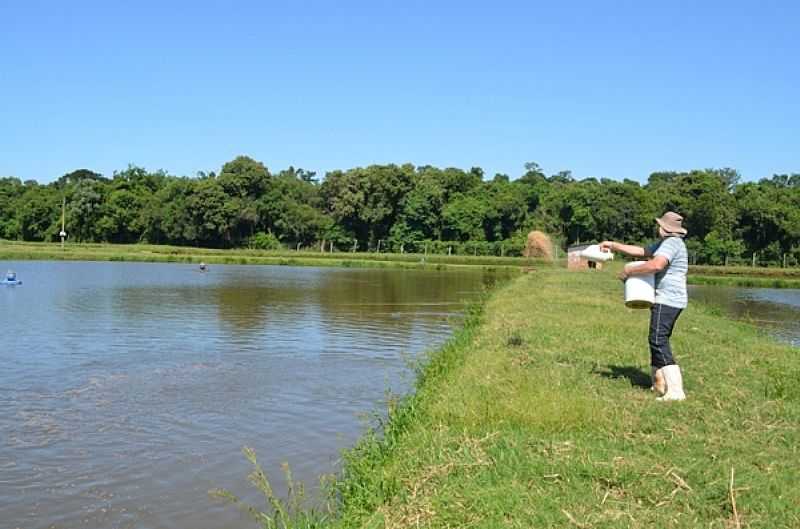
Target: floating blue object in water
(11,279)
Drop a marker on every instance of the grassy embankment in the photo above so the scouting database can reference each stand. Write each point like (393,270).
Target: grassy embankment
(538,414)
(745,276)
(12,250)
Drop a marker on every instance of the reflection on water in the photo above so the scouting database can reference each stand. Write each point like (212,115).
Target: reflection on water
(777,310)
(128,390)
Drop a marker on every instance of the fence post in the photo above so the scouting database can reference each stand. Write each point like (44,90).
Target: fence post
(379,246)
(784,260)
(754,259)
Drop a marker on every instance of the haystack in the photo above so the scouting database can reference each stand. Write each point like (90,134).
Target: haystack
(539,246)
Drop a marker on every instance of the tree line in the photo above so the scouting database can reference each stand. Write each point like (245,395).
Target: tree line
(406,208)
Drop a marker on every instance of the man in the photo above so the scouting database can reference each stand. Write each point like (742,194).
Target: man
(669,261)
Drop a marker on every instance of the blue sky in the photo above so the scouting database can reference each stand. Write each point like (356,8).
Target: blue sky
(605,89)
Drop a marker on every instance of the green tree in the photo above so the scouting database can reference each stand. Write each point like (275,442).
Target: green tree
(214,214)
(507,209)
(464,218)
(421,217)
(704,198)
(244,180)
(84,204)
(11,189)
(39,212)
(244,177)
(367,201)
(168,219)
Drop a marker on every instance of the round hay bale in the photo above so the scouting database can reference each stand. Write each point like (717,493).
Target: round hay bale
(539,246)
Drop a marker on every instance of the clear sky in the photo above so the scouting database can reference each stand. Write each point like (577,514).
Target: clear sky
(614,89)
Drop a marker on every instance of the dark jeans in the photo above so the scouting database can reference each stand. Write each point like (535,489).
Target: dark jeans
(662,320)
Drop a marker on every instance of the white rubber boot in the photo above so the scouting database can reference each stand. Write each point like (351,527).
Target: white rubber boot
(674,379)
(659,385)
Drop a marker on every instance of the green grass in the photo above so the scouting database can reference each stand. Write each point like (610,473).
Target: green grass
(744,281)
(13,250)
(746,271)
(538,414)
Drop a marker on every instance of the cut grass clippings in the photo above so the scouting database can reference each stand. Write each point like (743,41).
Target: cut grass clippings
(539,414)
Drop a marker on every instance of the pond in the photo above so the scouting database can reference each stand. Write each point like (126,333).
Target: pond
(776,310)
(129,389)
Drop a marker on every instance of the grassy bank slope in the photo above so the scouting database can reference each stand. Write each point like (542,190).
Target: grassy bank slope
(745,276)
(13,250)
(539,415)
(745,271)
(744,281)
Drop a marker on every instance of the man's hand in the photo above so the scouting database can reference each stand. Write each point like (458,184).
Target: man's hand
(606,246)
(627,269)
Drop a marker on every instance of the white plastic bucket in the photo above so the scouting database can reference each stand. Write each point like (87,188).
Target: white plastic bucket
(640,291)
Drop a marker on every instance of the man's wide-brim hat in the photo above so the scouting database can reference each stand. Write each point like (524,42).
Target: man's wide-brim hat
(672,223)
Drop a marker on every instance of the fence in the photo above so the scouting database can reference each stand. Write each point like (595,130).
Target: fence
(506,248)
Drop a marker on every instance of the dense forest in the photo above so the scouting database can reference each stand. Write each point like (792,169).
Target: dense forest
(406,208)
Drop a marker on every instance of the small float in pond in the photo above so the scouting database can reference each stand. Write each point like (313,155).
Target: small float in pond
(11,279)
(203,267)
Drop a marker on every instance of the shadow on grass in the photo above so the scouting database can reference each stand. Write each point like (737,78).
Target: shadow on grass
(636,376)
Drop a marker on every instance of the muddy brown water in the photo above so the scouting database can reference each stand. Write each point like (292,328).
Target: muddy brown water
(128,389)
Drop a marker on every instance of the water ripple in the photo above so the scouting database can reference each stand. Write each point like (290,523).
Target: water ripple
(149,379)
